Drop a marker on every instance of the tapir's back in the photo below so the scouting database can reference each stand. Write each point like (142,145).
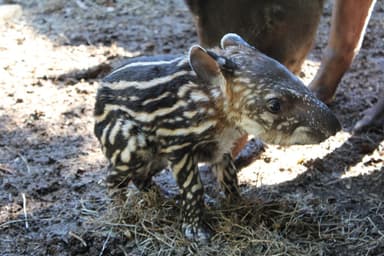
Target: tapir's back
(161,95)
(143,84)
(146,68)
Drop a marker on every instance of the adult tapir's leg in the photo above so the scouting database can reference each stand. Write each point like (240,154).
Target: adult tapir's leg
(349,20)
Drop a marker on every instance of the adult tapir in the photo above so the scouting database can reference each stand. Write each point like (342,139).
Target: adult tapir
(285,30)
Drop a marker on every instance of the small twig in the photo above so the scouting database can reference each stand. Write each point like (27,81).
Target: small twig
(78,238)
(92,4)
(118,224)
(25,162)
(21,156)
(86,211)
(9,223)
(154,235)
(6,170)
(123,250)
(81,5)
(374,225)
(332,182)
(105,243)
(25,210)
(135,7)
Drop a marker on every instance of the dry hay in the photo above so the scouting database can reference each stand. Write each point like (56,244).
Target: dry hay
(149,224)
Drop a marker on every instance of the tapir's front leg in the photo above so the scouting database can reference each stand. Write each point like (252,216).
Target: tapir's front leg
(226,174)
(185,171)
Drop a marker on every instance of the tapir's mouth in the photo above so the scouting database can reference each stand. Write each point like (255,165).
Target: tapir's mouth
(328,126)
(305,135)
(300,136)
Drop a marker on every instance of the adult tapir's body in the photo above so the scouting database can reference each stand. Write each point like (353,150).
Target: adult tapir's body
(178,111)
(285,30)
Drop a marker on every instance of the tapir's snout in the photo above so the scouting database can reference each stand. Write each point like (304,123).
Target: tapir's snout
(333,125)
(318,124)
(328,124)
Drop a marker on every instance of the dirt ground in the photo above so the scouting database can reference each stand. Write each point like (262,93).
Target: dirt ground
(325,199)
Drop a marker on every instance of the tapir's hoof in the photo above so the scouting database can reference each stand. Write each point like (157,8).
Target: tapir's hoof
(197,234)
(373,118)
(367,123)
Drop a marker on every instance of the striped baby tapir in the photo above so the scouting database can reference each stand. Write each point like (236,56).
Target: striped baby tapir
(176,111)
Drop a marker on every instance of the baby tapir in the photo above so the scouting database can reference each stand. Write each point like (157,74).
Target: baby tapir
(178,111)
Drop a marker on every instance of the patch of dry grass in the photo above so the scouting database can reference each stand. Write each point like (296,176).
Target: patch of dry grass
(150,225)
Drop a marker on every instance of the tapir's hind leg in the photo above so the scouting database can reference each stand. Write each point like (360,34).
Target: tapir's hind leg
(143,179)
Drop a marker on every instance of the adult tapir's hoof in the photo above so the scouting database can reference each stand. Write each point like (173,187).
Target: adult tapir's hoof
(373,117)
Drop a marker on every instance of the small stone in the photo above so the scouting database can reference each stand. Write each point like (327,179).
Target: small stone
(148,47)
(52,6)
(127,234)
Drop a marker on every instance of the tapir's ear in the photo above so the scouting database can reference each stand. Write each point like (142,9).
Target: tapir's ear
(205,66)
(232,39)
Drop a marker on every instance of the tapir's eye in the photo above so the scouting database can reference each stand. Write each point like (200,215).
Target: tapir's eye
(273,105)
